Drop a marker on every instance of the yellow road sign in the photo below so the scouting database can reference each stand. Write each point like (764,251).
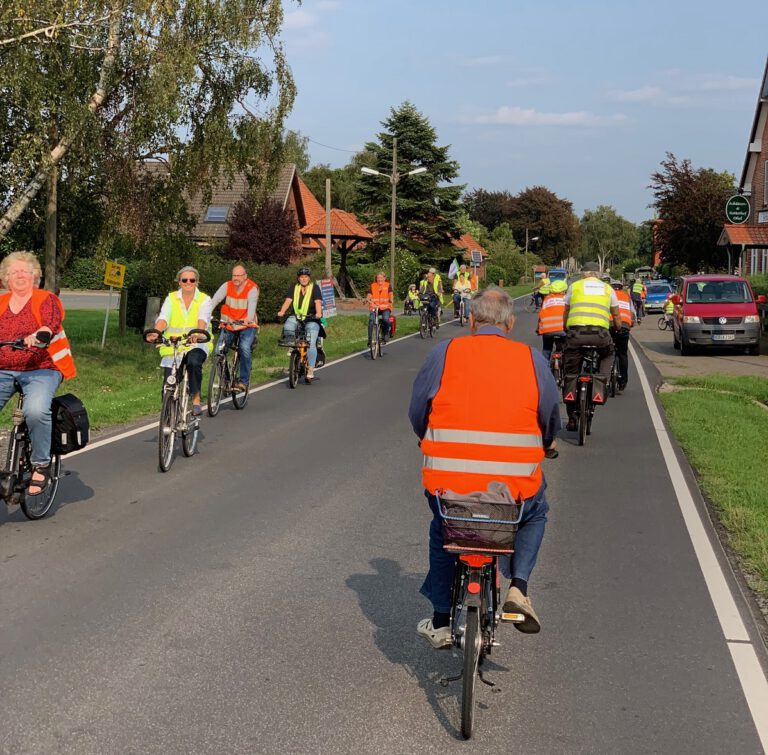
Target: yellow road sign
(114,275)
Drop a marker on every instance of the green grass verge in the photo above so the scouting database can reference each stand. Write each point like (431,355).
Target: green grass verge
(724,435)
(520,290)
(122,382)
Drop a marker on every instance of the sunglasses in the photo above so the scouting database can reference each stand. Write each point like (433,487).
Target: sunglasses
(188,280)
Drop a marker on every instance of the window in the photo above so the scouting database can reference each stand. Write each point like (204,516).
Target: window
(765,261)
(753,262)
(717,292)
(216,214)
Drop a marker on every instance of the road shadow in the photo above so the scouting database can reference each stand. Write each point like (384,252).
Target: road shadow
(391,602)
(71,490)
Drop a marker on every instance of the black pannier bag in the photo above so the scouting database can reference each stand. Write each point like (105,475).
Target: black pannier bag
(70,424)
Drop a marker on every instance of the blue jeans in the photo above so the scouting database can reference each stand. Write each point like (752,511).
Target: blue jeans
(245,349)
(439,580)
(385,313)
(38,387)
(312,330)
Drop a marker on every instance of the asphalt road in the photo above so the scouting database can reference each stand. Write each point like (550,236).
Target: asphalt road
(262,597)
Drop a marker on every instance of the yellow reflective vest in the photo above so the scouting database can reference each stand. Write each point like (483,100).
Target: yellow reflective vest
(183,320)
(669,307)
(590,304)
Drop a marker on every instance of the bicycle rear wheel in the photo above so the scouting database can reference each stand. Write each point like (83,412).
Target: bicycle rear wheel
(472,644)
(37,506)
(215,386)
(167,432)
(293,369)
(583,416)
(239,396)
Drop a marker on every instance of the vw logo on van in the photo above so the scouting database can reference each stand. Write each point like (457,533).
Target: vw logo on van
(722,320)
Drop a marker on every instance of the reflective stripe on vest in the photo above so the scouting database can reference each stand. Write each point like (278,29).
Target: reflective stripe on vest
(301,311)
(379,294)
(625,308)
(235,306)
(590,303)
(182,321)
(496,441)
(58,348)
(552,314)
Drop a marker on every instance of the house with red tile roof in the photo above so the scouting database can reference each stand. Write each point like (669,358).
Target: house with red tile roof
(467,244)
(749,240)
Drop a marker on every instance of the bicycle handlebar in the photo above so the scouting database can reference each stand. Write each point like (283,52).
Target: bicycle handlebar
(43,338)
(161,340)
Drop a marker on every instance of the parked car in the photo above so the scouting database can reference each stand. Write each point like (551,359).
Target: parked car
(557,274)
(658,293)
(712,311)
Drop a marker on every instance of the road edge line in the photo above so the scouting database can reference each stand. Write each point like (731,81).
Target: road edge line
(752,678)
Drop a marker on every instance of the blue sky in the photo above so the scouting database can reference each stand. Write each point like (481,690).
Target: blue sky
(584,97)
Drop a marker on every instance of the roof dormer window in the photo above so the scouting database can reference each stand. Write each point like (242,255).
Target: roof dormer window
(216,214)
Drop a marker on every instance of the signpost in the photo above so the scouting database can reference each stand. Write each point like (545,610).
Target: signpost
(737,209)
(114,277)
(329,299)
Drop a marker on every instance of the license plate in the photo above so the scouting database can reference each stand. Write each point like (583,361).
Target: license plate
(723,337)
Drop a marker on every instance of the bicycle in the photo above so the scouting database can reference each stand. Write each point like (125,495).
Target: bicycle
(298,360)
(585,405)
(225,374)
(556,362)
(464,309)
(176,416)
(16,475)
(377,335)
(664,323)
(428,323)
(479,533)
(532,305)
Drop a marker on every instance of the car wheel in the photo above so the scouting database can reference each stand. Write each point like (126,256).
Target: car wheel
(685,348)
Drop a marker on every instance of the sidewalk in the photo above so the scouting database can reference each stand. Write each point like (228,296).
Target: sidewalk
(657,345)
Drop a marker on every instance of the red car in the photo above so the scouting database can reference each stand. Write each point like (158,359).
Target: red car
(713,311)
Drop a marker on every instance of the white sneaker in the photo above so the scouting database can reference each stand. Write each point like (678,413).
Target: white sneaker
(438,638)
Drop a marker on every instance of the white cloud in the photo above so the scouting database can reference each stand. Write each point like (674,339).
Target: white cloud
(517,116)
(483,61)
(726,83)
(642,94)
(299,19)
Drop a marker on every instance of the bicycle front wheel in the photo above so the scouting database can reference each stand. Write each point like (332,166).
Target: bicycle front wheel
(239,395)
(472,644)
(293,369)
(167,432)
(374,347)
(189,438)
(215,387)
(37,506)
(423,326)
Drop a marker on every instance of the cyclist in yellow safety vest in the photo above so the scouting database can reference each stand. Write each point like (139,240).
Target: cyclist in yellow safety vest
(182,311)
(306,303)
(412,301)
(542,289)
(669,308)
(432,286)
(637,299)
(591,307)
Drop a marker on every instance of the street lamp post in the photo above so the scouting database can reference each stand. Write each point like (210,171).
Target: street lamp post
(535,238)
(394,178)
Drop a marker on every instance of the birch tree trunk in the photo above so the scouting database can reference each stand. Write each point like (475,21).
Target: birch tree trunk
(51,220)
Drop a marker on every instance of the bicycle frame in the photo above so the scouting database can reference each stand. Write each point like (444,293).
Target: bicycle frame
(11,488)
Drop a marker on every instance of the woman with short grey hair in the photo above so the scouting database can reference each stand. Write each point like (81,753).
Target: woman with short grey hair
(493,306)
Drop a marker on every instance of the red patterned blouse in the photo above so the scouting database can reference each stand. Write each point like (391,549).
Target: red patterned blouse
(20,325)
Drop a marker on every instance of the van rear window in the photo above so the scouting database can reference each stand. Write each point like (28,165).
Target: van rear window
(718,292)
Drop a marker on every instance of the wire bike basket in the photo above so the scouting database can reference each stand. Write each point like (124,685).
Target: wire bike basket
(482,521)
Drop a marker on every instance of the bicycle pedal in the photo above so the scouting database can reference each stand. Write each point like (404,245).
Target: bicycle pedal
(515,618)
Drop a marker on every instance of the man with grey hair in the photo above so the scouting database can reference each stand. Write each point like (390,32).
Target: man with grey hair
(486,411)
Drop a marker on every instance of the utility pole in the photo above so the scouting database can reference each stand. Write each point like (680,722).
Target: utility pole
(393,179)
(328,268)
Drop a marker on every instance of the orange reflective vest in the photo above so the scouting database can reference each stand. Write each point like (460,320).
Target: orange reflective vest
(379,295)
(552,314)
(625,309)
(500,438)
(235,306)
(59,345)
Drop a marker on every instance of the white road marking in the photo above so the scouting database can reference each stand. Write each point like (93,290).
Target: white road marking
(750,672)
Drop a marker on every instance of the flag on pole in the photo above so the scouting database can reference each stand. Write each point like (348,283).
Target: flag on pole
(453,271)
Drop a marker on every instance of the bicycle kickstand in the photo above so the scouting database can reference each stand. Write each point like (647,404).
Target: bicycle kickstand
(446,680)
(483,679)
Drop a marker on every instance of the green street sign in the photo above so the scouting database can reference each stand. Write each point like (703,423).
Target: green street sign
(737,209)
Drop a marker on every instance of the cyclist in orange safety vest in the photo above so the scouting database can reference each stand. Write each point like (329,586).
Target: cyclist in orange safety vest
(514,417)
(241,298)
(381,297)
(552,317)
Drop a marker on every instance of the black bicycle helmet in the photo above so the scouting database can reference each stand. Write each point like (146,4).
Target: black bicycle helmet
(304,271)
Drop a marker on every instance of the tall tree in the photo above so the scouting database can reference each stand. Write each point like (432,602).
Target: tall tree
(110,83)
(547,216)
(427,204)
(267,234)
(606,236)
(490,208)
(689,202)
(295,149)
